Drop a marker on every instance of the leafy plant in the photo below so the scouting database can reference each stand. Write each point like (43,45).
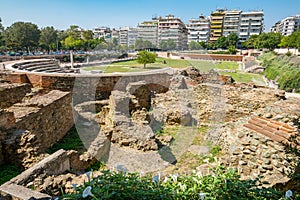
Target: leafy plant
(220,184)
(71,141)
(8,172)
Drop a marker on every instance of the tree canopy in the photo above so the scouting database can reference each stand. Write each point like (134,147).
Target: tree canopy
(167,44)
(22,35)
(145,57)
(292,40)
(265,40)
(48,39)
(143,44)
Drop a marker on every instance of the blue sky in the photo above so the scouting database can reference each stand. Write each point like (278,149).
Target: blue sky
(118,13)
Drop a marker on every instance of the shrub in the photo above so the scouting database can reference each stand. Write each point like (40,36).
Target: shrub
(221,184)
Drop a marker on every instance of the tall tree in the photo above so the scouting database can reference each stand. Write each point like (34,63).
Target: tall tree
(194,45)
(167,44)
(268,40)
(249,44)
(74,31)
(222,42)
(145,57)
(143,44)
(232,39)
(1,30)
(87,35)
(49,38)
(22,35)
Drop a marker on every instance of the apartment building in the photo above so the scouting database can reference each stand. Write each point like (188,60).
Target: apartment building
(148,31)
(275,27)
(251,23)
(287,25)
(231,22)
(171,27)
(102,32)
(198,29)
(216,24)
(123,36)
(132,36)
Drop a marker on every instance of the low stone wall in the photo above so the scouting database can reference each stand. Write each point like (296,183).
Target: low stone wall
(219,57)
(54,164)
(39,123)
(91,87)
(12,93)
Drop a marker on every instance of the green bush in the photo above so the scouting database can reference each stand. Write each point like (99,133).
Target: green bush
(283,70)
(8,172)
(221,184)
(71,141)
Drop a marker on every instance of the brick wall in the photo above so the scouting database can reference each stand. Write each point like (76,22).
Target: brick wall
(12,93)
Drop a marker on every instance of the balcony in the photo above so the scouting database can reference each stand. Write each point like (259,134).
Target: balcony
(216,27)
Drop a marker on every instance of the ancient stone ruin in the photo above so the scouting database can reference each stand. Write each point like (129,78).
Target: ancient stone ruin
(118,118)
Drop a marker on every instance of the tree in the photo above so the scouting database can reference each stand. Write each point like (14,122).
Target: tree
(87,35)
(167,44)
(74,31)
(232,39)
(1,30)
(145,57)
(222,42)
(232,49)
(249,44)
(193,45)
(203,45)
(143,44)
(48,39)
(72,43)
(22,35)
(268,40)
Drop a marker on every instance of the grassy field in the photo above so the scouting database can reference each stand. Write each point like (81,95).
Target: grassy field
(134,66)
(203,66)
(246,77)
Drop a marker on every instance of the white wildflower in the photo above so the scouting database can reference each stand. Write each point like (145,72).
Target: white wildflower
(288,194)
(202,196)
(87,192)
(174,178)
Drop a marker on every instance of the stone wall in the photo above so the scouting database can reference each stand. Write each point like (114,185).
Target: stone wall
(218,57)
(255,154)
(90,87)
(12,93)
(40,122)
(231,111)
(17,188)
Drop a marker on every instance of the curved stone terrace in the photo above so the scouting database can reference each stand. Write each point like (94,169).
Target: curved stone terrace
(38,66)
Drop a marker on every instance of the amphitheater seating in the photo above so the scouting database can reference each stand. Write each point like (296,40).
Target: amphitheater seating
(43,65)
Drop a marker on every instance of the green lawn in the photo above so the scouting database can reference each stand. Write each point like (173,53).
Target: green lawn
(134,66)
(246,77)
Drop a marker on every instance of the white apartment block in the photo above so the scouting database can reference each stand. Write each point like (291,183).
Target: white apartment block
(199,29)
(251,23)
(148,31)
(231,22)
(132,36)
(287,25)
(171,27)
(102,32)
(123,36)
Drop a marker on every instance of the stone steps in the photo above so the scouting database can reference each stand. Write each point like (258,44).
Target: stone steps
(40,66)
(36,64)
(54,70)
(29,63)
(277,131)
(45,68)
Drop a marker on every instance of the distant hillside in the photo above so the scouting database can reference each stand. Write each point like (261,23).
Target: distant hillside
(283,69)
